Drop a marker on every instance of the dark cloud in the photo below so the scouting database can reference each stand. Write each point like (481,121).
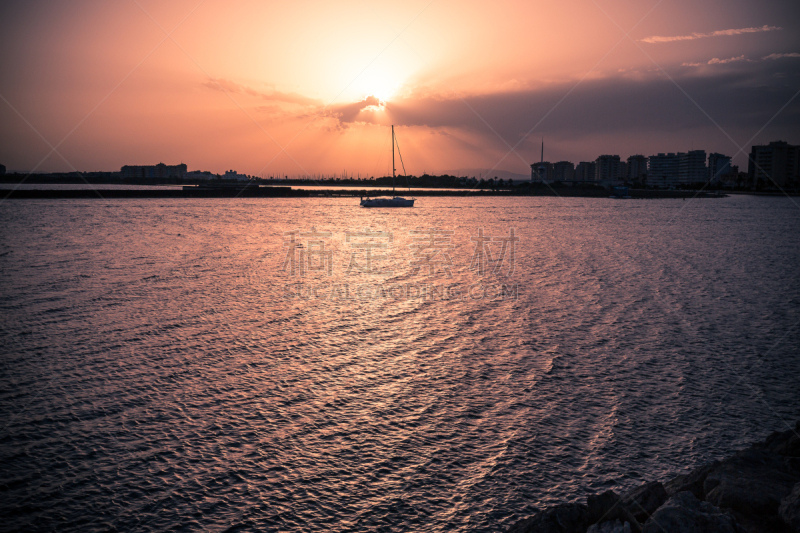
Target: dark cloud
(347,113)
(742,99)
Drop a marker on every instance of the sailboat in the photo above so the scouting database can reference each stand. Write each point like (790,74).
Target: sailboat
(395,201)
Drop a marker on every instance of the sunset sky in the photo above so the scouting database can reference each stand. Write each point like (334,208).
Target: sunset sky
(311,87)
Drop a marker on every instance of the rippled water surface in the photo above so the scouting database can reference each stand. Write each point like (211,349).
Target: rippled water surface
(165,368)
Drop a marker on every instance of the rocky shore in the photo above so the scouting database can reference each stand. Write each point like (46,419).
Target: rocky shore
(757,490)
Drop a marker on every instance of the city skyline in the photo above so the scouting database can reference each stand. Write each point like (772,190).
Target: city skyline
(235,86)
(774,165)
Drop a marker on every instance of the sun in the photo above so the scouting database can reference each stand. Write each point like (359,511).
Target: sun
(377,84)
(383,91)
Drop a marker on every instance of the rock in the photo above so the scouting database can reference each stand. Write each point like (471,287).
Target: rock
(683,513)
(789,510)
(608,506)
(752,483)
(786,443)
(610,527)
(692,482)
(567,518)
(644,500)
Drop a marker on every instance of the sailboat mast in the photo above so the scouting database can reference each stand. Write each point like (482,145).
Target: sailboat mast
(393,169)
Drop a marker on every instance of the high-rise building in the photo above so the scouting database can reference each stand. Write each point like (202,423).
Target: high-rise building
(607,167)
(563,171)
(718,166)
(622,170)
(586,171)
(662,170)
(775,164)
(637,167)
(692,167)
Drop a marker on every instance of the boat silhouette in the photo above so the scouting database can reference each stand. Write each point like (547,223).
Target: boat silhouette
(395,201)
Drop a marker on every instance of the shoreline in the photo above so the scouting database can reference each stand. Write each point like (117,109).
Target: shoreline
(288,192)
(756,490)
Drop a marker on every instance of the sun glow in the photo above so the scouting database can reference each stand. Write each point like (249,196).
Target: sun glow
(376,84)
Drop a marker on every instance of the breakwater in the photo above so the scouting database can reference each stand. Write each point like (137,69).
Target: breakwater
(756,490)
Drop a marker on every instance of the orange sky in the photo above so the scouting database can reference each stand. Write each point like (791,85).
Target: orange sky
(283,88)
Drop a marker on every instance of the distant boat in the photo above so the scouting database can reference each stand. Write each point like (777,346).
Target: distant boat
(395,201)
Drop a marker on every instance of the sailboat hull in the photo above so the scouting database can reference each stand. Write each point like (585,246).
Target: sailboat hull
(387,202)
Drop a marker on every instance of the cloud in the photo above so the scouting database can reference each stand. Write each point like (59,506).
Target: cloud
(645,113)
(342,113)
(229,86)
(719,33)
(607,107)
(348,112)
(779,56)
(717,61)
